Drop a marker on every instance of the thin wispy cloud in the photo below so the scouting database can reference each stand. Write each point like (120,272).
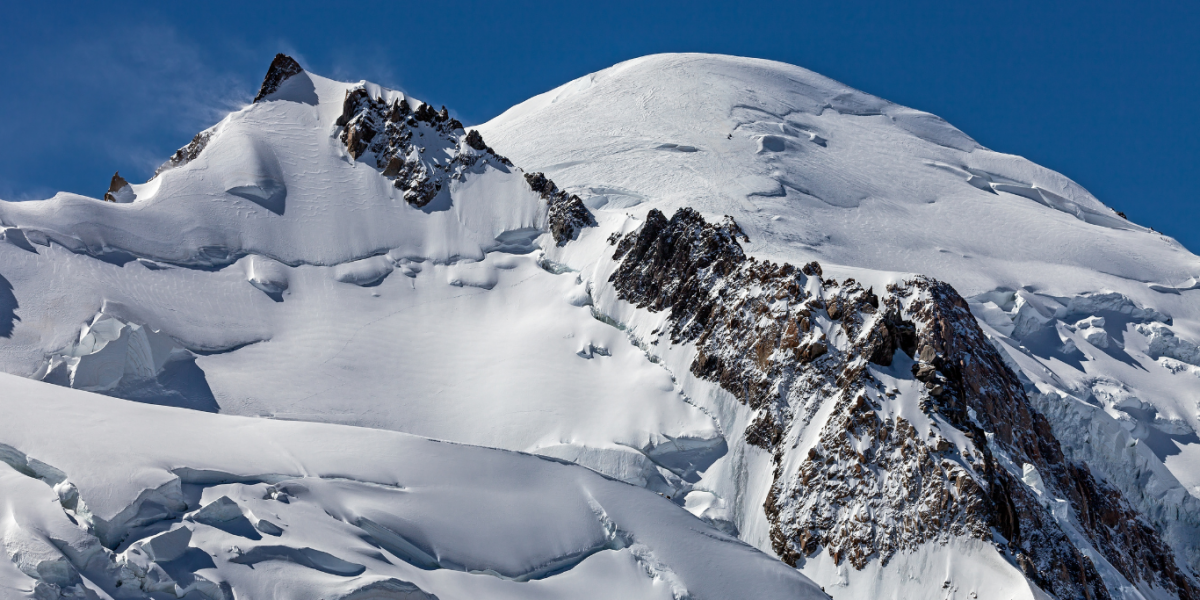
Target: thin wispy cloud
(169,82)
(20,194)
(122,101)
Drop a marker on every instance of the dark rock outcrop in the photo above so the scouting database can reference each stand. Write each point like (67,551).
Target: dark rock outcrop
(418,149)
(187,153)
(791,346)
(567,213)
(116,189)
(475,141)
(280,70)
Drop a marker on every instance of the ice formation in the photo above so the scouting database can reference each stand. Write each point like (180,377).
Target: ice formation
(687,327)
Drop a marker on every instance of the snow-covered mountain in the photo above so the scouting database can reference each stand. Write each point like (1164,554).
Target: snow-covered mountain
(1096,315)
(834,328)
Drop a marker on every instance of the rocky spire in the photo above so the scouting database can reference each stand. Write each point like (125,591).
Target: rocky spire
(281,68)
(118,190)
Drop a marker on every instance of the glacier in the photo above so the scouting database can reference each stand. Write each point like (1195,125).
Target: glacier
(436,371)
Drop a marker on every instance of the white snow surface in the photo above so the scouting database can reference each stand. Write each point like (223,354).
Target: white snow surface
(276,182)
(470,344)
(181,498)
(962,569)
(1099,315)
(274,277)
(295,284)
(812,168)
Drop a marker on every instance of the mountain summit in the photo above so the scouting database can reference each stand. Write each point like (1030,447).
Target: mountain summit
(697,326)
(281,68)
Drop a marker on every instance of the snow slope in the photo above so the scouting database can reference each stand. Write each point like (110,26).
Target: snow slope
(423,313)
(343,255)
(808,166)
(174,503)
(273,181)
(812,169)
(266,272)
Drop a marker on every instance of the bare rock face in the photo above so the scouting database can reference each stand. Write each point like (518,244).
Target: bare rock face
(281,68)
(187,153)
(567,214)
(419,150)
(119,190)
(1128,541)
(475,141)
(789,345)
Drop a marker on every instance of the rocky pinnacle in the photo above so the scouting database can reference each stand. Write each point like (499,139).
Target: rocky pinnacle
(281,69)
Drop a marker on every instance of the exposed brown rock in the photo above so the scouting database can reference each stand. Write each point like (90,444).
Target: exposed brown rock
(425,113)
(873,487)
(567,214)
(394,138)
(280,70)
(115,186)
(187,153)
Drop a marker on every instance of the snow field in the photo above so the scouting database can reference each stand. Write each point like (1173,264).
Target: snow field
(812,169)
(276,276)
(329,510)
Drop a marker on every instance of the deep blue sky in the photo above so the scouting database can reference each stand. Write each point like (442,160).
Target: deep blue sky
(1104,92)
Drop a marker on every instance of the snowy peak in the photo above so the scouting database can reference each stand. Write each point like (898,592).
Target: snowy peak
(282,67)
(645,301)
(812,169)
(315,172)
(811,166)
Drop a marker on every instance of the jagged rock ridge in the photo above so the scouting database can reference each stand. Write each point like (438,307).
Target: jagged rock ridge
(419,150)
(567,214)
(787,343)
(392,136)
(187,153)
